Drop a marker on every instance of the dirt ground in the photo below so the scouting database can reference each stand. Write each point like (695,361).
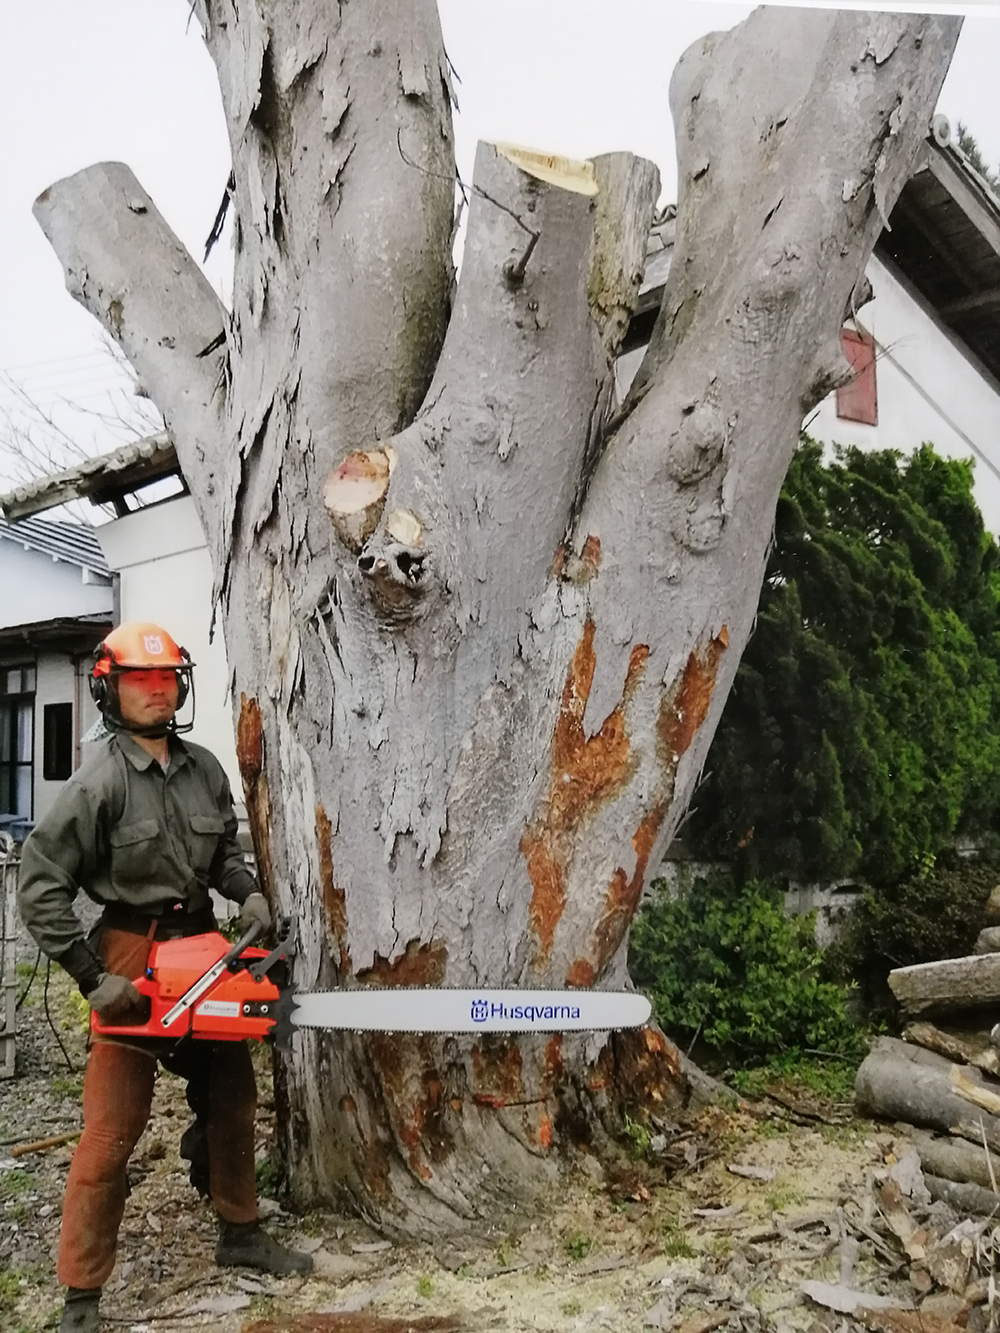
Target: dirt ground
(618,1251)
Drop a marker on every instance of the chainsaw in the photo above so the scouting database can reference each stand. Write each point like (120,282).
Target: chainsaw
(201,986)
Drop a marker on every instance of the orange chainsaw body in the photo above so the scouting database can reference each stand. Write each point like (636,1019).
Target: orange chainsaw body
(236,1006)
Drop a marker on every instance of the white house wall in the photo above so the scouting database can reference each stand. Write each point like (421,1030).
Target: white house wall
(928,390)
(166,577)
(34,587)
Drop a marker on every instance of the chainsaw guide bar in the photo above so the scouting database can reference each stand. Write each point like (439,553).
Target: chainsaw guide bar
(441,1009)
(202,987)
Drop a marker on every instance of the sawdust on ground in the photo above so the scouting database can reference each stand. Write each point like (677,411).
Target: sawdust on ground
(618,1250)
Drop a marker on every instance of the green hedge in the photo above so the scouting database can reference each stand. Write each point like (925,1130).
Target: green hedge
(725,964)
(862,733)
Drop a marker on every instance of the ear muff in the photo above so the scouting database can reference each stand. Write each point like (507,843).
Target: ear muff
(183,680)
(100,674)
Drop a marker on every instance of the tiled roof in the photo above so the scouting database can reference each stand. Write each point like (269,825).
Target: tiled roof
(133,464)
(74,543)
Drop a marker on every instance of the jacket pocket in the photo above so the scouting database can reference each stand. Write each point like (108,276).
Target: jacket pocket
(207,830)
(208,824)
(135,852)
(125,835)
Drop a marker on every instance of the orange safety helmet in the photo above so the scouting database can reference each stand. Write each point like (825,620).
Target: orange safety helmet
(139,645)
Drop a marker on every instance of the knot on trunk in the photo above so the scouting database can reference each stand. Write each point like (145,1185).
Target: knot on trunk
(397,572)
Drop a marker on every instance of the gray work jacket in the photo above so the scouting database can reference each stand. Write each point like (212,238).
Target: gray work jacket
(128,833)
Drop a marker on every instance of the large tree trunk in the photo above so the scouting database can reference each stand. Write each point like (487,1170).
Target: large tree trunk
(480,639)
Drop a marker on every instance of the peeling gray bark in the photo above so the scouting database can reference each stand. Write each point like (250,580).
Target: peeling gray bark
(470,719)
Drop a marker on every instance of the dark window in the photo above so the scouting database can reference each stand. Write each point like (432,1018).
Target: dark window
(17,739)
(857,400)
(57,737)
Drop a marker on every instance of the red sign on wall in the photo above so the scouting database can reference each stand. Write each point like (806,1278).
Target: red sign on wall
(858,399)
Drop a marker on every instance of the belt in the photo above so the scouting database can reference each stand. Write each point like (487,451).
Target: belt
(163,921)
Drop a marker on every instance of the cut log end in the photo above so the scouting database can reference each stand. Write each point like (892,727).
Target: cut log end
(565,172)
(354,494)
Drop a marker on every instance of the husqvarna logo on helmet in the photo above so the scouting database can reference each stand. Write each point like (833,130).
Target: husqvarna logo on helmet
(480,1011)
(153,644)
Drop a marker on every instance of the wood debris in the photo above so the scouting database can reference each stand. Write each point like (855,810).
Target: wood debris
(764,1173)
(936,1204)
(848,1300)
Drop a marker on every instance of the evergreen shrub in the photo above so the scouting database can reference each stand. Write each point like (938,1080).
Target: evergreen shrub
(725,964)
(935,913)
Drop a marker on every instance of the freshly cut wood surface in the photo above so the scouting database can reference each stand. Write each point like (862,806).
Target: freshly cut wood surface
(967,1048)
(954,983)
(900,1082)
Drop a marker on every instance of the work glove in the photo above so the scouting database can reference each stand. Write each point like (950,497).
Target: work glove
(255,912)
(116,1000)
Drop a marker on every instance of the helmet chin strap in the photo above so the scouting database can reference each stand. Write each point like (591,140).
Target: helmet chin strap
(155,732)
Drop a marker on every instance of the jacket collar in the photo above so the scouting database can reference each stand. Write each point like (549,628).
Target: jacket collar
(141,759)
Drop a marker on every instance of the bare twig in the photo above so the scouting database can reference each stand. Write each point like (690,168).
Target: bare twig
(42,1145)
(475,189)
(989,1159)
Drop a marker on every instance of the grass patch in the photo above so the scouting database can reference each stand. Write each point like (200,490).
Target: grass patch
(579,1245)
(10,1290)
(675,1242)
(68,1085)
(425,1287)
(15,1184)
(636,1136)
(505,1251)
(270,1176)
(828,1078)
(783,1195)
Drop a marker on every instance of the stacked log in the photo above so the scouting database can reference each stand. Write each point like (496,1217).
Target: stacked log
(941,1083)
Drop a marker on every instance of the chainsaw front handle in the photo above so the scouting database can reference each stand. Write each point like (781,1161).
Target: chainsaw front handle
(251,933)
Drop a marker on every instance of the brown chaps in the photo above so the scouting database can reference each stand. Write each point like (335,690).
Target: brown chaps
(117,1094)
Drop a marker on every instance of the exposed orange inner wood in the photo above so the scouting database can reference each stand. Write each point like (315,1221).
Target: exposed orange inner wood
(250,757)
(420,965)
(249,740)
(334,898)
(497,1073)
(591,555)
(414,1098)
(585,773)
(685,707)
(545,1131)
(682,711)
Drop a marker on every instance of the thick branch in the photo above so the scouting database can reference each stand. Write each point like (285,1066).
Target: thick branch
(125,265)
(786,172)
(340,124)
(491,467)
(787,165)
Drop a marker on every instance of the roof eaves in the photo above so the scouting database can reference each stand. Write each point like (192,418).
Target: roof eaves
(132,465)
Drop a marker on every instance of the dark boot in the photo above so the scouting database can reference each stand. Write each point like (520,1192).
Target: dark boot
(80,1311)
(194,1149)
(247,1245)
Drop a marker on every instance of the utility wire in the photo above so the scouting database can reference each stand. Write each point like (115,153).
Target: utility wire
(24,994)
(69,1063)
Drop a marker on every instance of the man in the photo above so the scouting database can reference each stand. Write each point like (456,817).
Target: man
(144,828)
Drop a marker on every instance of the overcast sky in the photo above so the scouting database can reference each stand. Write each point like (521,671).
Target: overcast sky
(117,79)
